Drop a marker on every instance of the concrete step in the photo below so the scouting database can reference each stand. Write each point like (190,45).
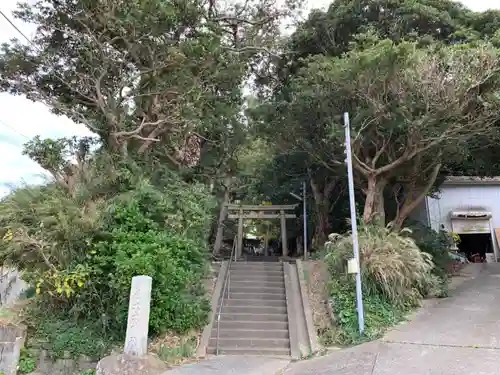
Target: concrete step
(254,302)
(257,296)
(257,274)
(255,283)
(249,351)
(253,325)
(254,310)
(250,333)
(250,343)
(256,278)
(258,289)
(257,266)
(248,317)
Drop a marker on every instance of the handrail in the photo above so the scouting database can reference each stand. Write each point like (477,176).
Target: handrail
(226,285)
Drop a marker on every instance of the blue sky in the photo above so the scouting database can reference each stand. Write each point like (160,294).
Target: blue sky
(21,119)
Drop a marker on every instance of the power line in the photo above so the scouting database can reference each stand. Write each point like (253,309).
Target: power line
(13,129)
(14,26)
(57,105)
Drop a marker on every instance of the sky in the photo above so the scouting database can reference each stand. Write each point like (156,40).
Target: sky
(21,119)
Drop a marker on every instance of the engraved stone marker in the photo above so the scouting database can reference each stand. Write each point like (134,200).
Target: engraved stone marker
(136,341)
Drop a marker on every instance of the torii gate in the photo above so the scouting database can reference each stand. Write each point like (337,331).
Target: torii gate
(260,212)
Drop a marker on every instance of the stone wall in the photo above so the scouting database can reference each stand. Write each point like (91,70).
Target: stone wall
(11,342)
(63,366)
(11,286)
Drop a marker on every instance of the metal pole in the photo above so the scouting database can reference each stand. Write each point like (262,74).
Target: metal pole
(354,227)
(304,204)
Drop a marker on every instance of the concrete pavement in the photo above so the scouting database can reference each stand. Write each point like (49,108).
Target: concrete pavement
(233,365)
(459,335)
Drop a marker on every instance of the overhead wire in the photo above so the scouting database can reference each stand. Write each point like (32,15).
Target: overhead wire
(63,109)
(14,26)
(13,129)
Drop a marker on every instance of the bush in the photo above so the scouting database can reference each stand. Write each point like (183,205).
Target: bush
(434,243)
(135,243)
(391,264)
(379,312)
(81,250)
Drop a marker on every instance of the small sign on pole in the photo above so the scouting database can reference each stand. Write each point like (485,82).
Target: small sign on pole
(354,263)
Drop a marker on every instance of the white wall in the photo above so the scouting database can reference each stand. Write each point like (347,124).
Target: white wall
(463,198)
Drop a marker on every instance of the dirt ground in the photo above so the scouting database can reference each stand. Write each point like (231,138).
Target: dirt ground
(317,281)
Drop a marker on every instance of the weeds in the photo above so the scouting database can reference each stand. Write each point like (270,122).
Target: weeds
(27,362)
(177,352)
(380,314)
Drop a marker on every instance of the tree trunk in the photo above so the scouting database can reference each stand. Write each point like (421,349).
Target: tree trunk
(374,210)
(322,225)
(222,216)
(322,210)
(411,202)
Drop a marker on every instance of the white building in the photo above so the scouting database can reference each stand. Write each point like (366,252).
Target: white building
(469,206)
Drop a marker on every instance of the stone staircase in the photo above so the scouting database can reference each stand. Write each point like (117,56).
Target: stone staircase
(254,317)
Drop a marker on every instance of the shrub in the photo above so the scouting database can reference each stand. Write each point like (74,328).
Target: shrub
(136,244)
(81,250)
(434,243)
(379,312)
(391,264)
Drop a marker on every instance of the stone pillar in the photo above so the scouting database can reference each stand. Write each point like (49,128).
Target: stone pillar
(239,246)
(136,341)
(284,239)
(136,359)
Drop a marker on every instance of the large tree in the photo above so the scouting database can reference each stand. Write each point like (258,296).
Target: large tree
(144,75)
(408,106)
(333,32)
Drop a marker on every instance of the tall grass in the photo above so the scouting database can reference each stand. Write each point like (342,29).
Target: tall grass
(391,264)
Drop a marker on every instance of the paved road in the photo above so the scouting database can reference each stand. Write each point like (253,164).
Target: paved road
(459,335)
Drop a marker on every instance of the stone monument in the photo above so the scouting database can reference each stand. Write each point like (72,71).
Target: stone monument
(135,359)
(136,341)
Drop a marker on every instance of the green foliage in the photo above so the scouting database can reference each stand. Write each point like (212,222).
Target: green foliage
(175,353)
(27,362)
(380,312)
(437,244)
(392,265)
(180,54)
(332,32)
(396,276)
(60,334)
(81,254)
(146,235)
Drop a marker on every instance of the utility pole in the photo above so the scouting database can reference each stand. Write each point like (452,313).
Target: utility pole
(304,205)
(354,226)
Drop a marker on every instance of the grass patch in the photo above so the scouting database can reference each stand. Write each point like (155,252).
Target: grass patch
(176,349)
(64,337)
(27,362)
(380,314)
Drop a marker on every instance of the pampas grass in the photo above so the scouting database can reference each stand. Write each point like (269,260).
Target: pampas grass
(391,263)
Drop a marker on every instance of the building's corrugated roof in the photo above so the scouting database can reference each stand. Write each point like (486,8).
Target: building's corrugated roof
(471,180)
